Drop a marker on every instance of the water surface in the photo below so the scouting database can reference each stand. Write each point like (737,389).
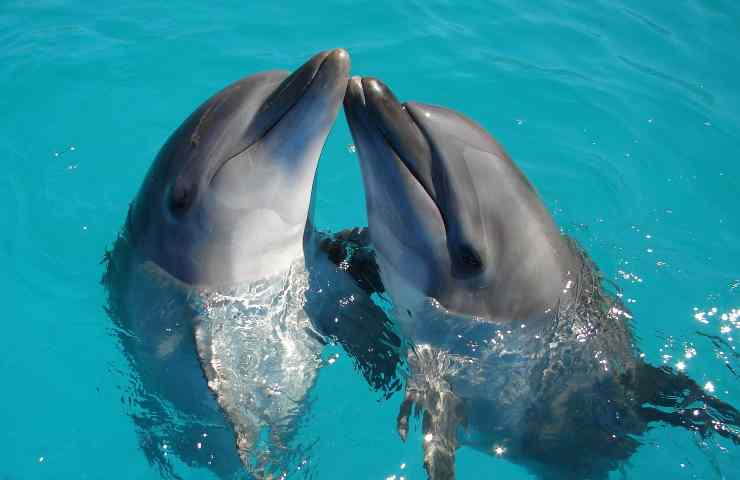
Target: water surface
(626,117)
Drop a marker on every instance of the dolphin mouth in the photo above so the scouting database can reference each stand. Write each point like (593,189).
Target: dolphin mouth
(289,92)
(373,107)
(371,103)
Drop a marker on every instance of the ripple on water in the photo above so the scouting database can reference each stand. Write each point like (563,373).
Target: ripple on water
(625,116)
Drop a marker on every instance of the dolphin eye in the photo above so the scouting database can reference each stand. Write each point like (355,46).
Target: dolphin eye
(181,197)
(471,258)
(469,261)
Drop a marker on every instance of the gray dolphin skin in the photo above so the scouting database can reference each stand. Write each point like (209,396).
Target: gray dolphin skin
(210,280)
(516,347)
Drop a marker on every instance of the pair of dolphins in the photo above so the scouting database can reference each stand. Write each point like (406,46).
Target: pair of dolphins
(224,294)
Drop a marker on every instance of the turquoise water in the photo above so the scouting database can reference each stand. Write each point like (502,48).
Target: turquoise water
(625,117)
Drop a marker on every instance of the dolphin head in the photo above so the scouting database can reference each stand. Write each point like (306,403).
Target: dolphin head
(227,197)
(452,218)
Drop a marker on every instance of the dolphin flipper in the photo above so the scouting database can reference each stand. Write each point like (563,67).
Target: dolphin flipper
(350,250)
(345,311)
(365,331)
(246,432)
(442,418)
(404,412)
(674,398)
(444,413)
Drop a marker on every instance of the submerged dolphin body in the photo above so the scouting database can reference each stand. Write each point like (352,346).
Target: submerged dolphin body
(215,283)
(517,349)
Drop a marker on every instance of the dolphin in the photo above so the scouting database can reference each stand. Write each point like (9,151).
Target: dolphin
(517,349)
(215,282)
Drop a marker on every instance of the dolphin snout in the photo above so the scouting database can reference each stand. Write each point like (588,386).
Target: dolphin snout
(334,63)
